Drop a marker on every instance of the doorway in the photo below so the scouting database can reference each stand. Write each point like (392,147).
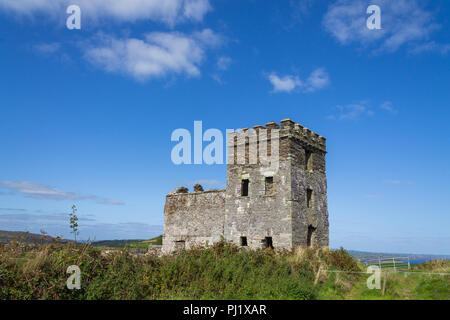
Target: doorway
(311,236)
(268,242)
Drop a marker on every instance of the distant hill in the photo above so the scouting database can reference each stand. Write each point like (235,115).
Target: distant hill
(137,243)
(155,241)
(363,254)
(115,243)
(7,236)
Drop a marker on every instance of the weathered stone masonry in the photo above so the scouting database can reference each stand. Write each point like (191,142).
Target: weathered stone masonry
(260,207)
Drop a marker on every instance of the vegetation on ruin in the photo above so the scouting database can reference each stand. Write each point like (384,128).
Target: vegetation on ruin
(224,271)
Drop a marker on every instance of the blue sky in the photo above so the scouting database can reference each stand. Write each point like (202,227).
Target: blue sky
(87,115)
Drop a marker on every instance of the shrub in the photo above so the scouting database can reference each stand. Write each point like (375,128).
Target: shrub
(222,271)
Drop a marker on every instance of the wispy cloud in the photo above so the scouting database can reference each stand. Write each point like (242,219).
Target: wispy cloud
(317,80)
(387,106)
(403,23)
(111,202)
(396,181)
(40,191)
(297,11)
(47,48)
(223,63)
(353,111)
(300,8)
(359,110)
(432,46)
(41,218)
(170,12)
(156,55)
(89,227)
(13,209)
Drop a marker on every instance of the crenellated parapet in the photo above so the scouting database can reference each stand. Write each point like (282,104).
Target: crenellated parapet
(305,135)
(261,138)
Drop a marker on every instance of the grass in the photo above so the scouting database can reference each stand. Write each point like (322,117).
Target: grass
(157,241)
(422,282)
(223,271)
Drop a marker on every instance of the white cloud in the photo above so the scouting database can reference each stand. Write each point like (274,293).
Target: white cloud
(403,22)
(158,54)
(208,38)
(317,80)
(432,47)
(351,112)
(223,63)
(196,9)
(47,48)
(387,106)
(284,84)
(300,8)
(111,202)
(167,11)
(40,191)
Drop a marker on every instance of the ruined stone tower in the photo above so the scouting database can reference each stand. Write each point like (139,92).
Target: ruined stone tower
(281,203)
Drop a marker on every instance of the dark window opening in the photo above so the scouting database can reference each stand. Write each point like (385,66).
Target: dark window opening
(309,198)
(308,160)
(235,150)
(247,150)
(244,241)
(268,242)
(244,190)
(310,236)
(269,185)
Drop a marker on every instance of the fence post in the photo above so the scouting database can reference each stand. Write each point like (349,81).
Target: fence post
(393,260)
(409,265)
(318,275)
(384,284)
(379,262)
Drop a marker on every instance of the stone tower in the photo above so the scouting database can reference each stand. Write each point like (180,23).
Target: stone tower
(280,204)
(282,208)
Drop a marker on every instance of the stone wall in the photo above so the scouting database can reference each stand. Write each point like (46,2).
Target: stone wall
(258,215)
(313,178)
(193,218)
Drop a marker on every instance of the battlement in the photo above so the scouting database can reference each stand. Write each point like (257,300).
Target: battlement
(286,129)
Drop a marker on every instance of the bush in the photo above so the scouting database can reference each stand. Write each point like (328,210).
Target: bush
(222,271)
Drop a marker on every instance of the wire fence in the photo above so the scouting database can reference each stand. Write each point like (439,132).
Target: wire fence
(394,263)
